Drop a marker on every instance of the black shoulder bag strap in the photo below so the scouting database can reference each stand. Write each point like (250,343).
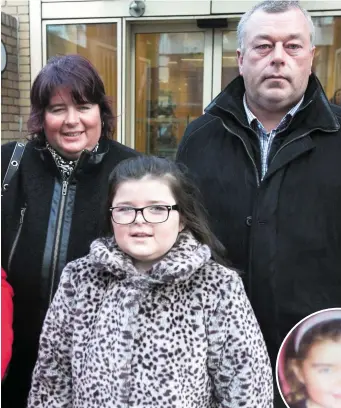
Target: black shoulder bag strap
(13,165)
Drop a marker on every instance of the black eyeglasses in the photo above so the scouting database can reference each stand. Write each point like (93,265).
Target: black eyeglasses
(154,214)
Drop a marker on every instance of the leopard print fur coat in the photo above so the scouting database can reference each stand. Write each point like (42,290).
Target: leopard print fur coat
(182,335)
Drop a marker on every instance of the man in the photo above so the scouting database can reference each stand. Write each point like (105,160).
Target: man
(266,155)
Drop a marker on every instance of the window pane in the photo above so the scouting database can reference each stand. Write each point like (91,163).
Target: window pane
(229,63)
(96,42)
(327,61)
(169,69)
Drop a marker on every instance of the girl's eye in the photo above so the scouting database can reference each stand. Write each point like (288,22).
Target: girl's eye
(324,370)
(124,209)
(157,208)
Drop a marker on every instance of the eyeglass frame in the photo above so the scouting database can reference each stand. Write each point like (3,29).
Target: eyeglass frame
(141,209)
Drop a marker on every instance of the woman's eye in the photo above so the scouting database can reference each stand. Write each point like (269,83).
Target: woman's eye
(57,110)
(84,107)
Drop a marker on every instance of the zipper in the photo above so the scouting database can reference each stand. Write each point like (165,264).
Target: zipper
(65,185)
(248,153)
(16,239)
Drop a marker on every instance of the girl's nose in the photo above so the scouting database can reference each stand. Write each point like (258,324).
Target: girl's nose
(139,218)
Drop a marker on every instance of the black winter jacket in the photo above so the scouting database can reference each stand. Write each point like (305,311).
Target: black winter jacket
(283,231)
(45,224)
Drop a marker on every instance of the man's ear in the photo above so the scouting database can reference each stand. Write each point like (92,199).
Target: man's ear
(312,58)
(240,61)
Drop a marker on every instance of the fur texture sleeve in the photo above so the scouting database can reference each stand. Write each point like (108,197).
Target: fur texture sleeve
(238,360)
(52,379)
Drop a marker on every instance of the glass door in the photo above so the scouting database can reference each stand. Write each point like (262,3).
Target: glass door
(100,42)
(225,63)
(172,72)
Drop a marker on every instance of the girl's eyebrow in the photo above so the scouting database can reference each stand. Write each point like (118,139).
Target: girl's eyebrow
(323,364)
(151,202)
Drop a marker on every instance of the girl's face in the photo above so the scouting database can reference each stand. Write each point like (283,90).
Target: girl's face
(145,242)
(320,372)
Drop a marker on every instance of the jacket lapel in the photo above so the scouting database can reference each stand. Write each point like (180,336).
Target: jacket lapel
(302,144)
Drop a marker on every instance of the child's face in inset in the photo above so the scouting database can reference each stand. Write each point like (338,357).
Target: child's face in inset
(320,372)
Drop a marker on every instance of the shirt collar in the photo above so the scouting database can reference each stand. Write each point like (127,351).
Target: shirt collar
(251,117)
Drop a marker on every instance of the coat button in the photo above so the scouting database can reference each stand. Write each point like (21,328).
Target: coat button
(249,221)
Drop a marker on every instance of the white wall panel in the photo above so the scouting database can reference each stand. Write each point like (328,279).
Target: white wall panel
(120,8)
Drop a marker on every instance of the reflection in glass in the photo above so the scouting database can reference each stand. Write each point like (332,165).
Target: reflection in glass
(327,60)
(229,65)
(169,71)
(96,42)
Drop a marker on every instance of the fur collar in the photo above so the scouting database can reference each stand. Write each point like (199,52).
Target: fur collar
(179,264)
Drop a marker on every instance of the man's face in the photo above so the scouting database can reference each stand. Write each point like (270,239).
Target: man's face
(276,59)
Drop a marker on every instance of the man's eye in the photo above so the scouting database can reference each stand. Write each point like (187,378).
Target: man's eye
(264,46)
(293,46)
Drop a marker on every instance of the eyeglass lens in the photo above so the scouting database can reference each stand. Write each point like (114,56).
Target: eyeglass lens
(152,214)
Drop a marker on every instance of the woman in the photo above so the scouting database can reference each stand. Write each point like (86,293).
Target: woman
(149,318)
(54,204)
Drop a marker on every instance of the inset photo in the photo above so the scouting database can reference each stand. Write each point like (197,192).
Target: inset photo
(308,367)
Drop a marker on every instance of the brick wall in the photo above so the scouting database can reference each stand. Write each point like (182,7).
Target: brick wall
(17,105)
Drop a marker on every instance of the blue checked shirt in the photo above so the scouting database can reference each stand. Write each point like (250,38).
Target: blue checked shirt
(266,139)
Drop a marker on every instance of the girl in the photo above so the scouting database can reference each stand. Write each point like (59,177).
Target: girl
(314,372)
(54,205)
(149,318)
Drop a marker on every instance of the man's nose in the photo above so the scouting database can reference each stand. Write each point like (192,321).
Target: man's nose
(72,116)
(278,54)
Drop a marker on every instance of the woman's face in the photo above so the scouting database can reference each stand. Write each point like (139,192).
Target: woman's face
(320,372)
(145,242)
(71,128)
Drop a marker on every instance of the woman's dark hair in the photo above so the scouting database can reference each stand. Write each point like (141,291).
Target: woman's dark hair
(329,330)
(77,74)
(186,195)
